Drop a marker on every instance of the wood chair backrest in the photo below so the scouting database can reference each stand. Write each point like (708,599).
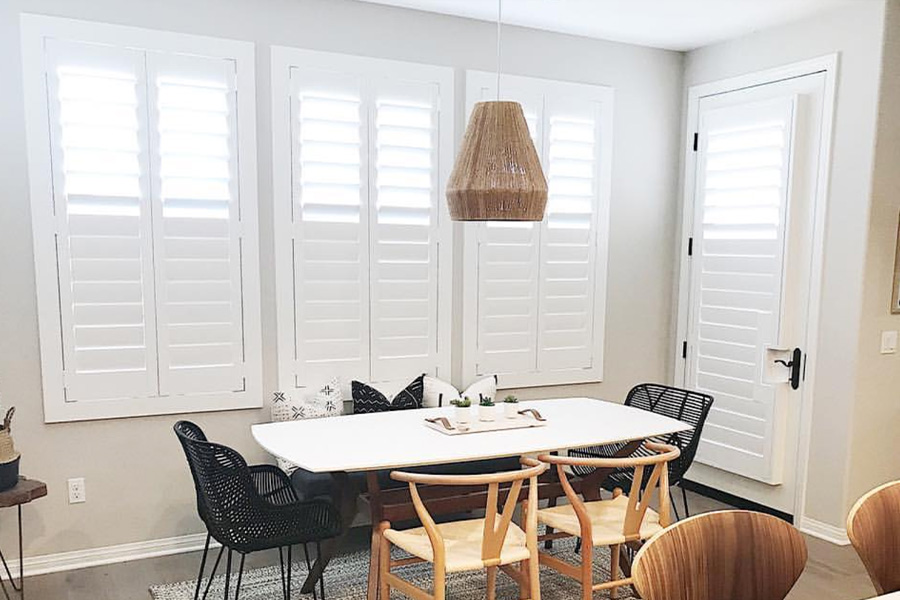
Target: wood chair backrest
(738,555)
(874,530)
(496,519)
(641,493)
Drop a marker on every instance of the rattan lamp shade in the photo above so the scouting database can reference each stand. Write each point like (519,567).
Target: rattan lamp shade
(498,175)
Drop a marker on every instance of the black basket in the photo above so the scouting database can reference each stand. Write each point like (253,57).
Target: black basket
(9,474)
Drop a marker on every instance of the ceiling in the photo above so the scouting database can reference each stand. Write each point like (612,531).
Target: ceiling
(670,24)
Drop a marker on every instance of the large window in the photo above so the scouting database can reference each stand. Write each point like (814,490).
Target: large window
(534,293)
(362,149)
(143,191)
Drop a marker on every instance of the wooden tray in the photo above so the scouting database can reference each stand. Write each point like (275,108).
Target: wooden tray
(502,423)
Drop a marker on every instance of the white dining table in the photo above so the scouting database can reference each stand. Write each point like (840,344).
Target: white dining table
(400,439)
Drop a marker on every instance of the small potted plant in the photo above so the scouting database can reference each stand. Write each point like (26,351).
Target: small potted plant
(463,410)
(486,409)
(511,406)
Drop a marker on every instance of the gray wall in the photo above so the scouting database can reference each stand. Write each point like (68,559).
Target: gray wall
(856,33)
(138,486)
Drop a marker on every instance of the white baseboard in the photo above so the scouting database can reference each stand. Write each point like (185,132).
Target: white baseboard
(824,531)
(93,557)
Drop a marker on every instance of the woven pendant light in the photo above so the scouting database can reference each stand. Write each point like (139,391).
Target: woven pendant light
(497,176)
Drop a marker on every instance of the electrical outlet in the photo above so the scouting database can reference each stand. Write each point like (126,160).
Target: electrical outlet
(76,491)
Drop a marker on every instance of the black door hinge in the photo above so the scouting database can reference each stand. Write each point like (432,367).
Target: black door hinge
(690,246)
(684,349)
(696,141)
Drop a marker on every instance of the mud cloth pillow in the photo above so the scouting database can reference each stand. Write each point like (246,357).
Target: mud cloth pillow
(327,401)
(367,399)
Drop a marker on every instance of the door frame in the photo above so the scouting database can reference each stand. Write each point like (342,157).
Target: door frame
(828,65)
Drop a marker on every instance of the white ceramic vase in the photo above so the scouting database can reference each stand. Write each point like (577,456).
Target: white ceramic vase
(511,409)
(486,413)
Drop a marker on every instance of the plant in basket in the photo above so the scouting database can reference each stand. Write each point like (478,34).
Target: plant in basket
(9,458)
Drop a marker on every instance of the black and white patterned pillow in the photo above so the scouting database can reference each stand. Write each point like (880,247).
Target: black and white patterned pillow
(367,399)
(327,401)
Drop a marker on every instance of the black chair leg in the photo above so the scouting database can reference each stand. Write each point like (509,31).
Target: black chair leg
(284,592)
(202,567)
(237,589)
(578,545)
(687,510)
(322,577)
(308,564)
(213,572)
(227,574)
(290,550)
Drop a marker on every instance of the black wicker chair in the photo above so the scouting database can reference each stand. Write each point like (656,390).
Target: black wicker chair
(684,405)
(250,508)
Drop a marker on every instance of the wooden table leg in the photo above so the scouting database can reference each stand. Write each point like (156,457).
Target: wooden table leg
(344,496)
(592,482)
(376,514)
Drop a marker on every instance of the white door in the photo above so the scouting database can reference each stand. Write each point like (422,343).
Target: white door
(750,254)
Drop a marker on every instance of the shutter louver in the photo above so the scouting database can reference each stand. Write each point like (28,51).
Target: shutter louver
(331,283)
(404,262)
(568,245)
(197,224)
(103,228)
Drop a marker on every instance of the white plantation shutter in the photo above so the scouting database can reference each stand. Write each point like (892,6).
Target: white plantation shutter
(362,232)
(102,208)
(508,267)
(330,227)
(536,294)
(569,237)
(143,202)
(738,275)
(197,223)
(405,231)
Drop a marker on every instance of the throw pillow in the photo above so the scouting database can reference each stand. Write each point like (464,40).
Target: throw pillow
(441,393)
(326,402)
(367,399)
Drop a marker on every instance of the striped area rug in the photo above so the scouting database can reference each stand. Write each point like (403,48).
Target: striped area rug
(346,577)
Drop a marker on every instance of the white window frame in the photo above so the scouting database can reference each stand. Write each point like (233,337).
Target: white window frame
(283,59)
(475,82)
(34,30)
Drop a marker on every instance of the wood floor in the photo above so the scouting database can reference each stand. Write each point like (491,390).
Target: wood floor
(833,573)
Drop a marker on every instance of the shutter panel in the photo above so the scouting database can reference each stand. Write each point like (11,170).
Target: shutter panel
(101,204)
(744,183)
(508,276)
(330,219)
(405,218)
(568,236)
(197,223)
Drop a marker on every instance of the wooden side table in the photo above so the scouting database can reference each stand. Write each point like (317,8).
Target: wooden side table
(24,492)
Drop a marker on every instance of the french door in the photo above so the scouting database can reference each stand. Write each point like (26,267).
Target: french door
(750,250)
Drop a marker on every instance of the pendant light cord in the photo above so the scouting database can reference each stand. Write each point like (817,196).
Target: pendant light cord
(499,20)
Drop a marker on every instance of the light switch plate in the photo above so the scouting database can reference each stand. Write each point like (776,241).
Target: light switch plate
(888,342)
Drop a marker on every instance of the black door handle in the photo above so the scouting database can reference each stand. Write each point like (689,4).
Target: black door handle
(795,365)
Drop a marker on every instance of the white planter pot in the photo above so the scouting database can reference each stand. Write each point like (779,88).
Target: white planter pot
(462,414)
(486,413)
(511,409)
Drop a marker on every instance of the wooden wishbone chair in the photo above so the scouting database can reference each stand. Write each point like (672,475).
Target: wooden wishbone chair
(874,530)
(611,523)
(733,554)
(473,544)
